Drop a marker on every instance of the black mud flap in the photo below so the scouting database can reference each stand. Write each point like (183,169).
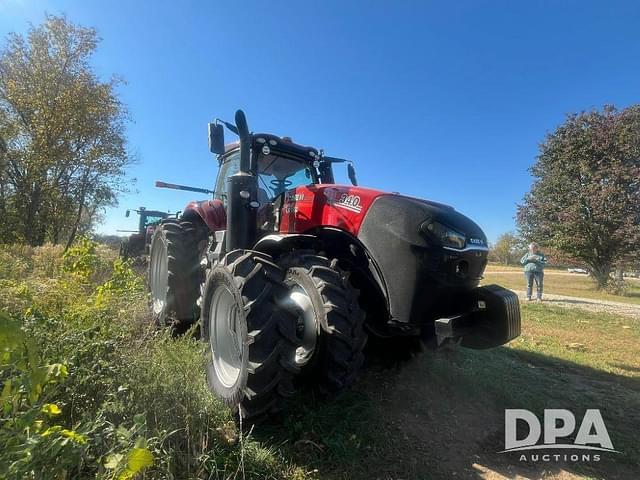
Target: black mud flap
(492,319)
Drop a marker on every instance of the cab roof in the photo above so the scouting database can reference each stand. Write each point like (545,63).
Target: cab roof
(280,144)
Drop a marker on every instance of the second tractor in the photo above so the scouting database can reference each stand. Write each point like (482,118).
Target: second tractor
(137,244)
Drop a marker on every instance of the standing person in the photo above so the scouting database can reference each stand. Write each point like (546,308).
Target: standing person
(534,262)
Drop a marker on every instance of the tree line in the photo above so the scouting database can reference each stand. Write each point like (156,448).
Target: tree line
(585,198)
(63,150)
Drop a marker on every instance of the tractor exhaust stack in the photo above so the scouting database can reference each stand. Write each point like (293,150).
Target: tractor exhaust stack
(242,194)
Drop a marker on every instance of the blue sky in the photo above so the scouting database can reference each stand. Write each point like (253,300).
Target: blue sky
(446,101)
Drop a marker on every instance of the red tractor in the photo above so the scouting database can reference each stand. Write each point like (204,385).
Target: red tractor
(289,272)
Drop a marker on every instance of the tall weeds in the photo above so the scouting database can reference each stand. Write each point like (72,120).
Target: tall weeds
(91,390)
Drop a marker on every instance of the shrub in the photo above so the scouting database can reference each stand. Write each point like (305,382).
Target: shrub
(84,262)
(94,391)
(31,440)
(47,260)
(15,261)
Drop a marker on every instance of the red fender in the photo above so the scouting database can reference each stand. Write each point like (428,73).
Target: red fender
(211,212)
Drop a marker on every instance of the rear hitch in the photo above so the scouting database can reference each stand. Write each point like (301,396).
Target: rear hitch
(450,330)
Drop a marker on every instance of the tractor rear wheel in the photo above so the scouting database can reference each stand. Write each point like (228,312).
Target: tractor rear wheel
(330,322)
(249,357)
(175,273)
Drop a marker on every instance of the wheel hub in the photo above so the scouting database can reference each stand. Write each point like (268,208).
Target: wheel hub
(226,336)
(307,328)
(159,276)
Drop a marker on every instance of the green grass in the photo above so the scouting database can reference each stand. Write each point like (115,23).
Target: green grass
(608,343)
(440,413)
(561,283)
(426,417)
(130,388)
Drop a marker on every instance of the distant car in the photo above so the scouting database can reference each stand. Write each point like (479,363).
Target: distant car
(577,270)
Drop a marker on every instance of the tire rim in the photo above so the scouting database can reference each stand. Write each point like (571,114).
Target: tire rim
(225,336)
(299,302)
(159,271)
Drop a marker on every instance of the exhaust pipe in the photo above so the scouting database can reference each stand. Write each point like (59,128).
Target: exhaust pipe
(245,142)
(242,192)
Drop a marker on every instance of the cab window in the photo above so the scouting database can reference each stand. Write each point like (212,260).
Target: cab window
(152,220)
(277,174)
(230,166)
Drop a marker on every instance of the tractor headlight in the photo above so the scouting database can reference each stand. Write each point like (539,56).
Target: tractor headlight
(447,236)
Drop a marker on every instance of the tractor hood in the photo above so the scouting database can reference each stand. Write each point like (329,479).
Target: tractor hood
(417,245)
(439,219)
(347,207)
(435,221)
(423,223)
(427,254)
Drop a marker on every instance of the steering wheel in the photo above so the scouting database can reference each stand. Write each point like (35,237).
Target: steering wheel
(281,183)
(280,186)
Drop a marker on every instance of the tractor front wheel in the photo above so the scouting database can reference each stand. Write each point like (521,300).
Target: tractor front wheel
(249,338)
(330,322)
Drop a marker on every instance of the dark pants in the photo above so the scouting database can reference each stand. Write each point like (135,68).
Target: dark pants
(538,277)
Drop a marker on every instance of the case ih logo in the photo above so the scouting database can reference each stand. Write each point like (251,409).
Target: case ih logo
(344,200)
(558,424)
(293,197)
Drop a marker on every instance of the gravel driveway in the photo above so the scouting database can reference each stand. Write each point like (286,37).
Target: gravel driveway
(591,304)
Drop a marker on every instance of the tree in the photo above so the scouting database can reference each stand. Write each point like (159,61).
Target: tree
(507,249)
(585,198)
(63,130)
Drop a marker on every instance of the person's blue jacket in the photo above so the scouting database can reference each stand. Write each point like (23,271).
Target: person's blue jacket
(533,262)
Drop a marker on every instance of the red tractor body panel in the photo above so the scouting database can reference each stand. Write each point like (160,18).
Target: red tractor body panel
(339,206)
(212,213)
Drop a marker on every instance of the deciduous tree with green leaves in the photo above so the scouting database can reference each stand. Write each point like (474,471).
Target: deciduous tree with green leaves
(64,153)
(507,250)
(585,197)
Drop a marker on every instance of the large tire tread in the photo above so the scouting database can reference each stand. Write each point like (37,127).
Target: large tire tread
(343,336)
(185,273)
(269,374)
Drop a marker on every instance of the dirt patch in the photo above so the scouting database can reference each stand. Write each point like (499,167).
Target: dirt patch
(441,415)
(428,428)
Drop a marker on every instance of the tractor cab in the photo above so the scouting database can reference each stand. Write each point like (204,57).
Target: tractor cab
(279,163)
(279,166)
(150,218)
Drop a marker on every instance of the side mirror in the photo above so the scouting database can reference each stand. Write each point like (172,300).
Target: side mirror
(127,213)
(216,138)
(351,171)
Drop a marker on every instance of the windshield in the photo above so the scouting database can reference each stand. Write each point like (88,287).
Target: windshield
(152,220)
(276,174)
